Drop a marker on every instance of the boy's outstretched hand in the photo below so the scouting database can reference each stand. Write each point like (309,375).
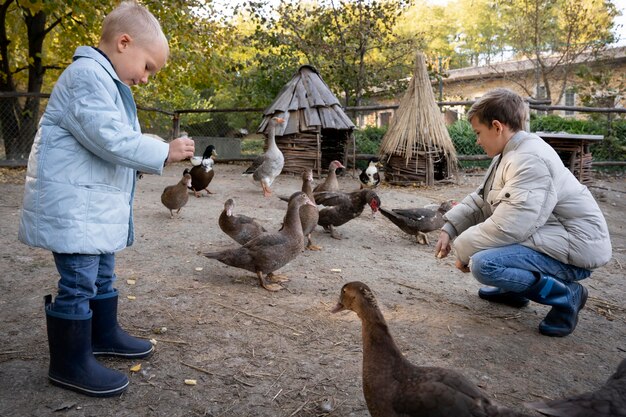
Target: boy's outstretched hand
(180,149)
(442,248)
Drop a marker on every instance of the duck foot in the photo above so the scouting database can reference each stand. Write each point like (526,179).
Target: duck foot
(267,285)
(310,246)
(277,278)
(421,238)
(207,191)
(333,234)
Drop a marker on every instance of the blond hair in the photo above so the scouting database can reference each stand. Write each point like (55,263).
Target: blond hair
(502,105)
(135,20)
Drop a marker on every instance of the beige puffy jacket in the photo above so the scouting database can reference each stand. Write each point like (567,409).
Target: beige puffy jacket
(534,200)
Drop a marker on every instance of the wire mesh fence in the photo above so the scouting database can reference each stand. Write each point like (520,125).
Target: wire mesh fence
(19,115)
(234,131)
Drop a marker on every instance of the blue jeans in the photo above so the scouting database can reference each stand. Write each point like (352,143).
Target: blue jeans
(82,278)
(516,268)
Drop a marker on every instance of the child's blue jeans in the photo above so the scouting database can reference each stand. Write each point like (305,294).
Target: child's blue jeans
(515,268)
(82,278)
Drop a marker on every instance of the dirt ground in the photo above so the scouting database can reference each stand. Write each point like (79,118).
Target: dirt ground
(256,353)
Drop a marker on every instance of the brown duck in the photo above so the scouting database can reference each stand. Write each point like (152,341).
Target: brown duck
(343,207)
(309,215)
(607,401)
(331,183)
(419,221)
(239,227)
(174,197)
(393,386)
(202,174)
(270,250)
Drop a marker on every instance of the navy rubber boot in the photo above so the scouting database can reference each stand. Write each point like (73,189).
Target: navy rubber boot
(72,364)
(509,298)
(108,338)
(566,299)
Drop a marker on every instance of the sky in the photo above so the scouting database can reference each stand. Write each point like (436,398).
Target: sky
(621,20)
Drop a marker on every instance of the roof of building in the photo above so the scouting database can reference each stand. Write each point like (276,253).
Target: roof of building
(505,68)
(307,105)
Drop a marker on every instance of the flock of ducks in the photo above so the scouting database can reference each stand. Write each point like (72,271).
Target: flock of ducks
(392,386)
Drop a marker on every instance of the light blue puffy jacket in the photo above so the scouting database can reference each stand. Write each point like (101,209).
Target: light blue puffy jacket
(83,164)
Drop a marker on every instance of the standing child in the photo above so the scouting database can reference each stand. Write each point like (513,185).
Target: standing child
(531,230)
(79,190)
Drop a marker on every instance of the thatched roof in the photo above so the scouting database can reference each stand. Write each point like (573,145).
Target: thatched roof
(418,124)
(307,105)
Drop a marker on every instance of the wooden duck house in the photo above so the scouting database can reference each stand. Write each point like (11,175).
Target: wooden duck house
(417,147)
(316,129)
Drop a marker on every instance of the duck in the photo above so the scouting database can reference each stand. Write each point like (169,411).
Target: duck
(270,250)
(393,386)
(309,215)
(202,174)
(174,197)
(343,207)
(331,183)
(607,401)
(240,228)
(268,166)
(419,221)
(369,177)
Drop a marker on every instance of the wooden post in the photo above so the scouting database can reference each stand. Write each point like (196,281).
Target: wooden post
(319,155)
(176,125)
(527,119)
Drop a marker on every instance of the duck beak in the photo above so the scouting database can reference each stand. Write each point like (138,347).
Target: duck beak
(339,307)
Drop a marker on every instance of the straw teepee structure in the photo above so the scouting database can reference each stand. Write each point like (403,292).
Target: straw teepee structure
(417,146)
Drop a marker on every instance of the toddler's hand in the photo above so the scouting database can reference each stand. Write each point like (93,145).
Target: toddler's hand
(180,149)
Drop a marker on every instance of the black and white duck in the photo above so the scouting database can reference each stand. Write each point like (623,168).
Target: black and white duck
(202,174)
(370,177)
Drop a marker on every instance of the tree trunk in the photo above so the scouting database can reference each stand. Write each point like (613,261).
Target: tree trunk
(19,125)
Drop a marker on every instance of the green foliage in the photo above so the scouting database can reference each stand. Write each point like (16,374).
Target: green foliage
(464,138)
(252,146)
(368,139)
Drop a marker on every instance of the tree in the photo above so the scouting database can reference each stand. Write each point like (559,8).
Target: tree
(25,29)
(557,36)
(351,43)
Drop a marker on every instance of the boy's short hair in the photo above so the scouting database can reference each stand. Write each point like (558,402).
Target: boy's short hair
(134,19)
(502,105)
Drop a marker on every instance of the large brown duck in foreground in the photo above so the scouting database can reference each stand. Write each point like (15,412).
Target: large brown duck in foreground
(343,207)
(239,227)
(270,250)
(607,401)
(394,387)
